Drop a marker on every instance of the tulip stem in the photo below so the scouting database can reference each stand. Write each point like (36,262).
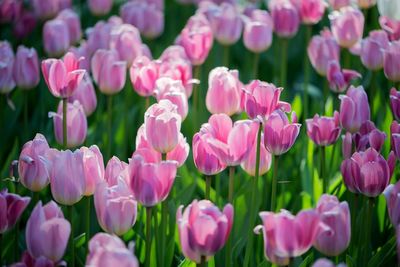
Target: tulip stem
(147,103)
(231,184)
(255,66)
(163,232)
(148,236)
(87,224)
(71,239)
(226,56)
(306,70)
(203,262)
(284,47)
(196,87)
(65,134)
(274,183)
(109,107)
(208,186)
(26,102)
(322,171)
(325,95)
(370,207)
(253,208)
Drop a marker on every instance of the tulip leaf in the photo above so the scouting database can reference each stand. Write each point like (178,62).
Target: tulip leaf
(383,254)
(307,261)
(80,240)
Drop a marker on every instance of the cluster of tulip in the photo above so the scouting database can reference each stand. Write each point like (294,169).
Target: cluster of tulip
(250,126)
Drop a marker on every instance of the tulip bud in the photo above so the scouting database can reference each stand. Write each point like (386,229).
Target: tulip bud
(172,90)
(311,11)
(257,35)
(347,145)
(391,61)
(85,95)
(205,159)
(10,10)
(392,195)
(100,7)
(7,82)
(126,41)
(339,79)
(46,9)
(391,27)
(248,163)
(395,103)
(369,136)
(347,26)
(226,24)
(144,74)
(323,131)
(56,39)
(285,17)
(26,68)
(73,23)
(338,4)
(372,49)
(93,167)
(11,208)
(116,168)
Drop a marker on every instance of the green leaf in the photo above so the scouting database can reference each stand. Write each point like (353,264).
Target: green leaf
(80,240)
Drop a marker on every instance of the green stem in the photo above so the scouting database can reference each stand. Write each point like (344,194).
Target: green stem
(203,262)
(65,133)
(109,125)
(147,103)
(26,102)
(226,56)
(148,236)
(325,94)
(71,239)
(196,87)
(163,232)
(255,65)
(231,183)
(208,186)
(253,208)
(284,47)
(87,224)
(347,58)
(367,230)
(35,198)
(228,256)
(323,174)
(306,70)
(274,183)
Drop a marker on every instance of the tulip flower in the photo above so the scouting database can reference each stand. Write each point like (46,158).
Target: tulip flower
(364,4)
(323,131)
(56,40)
(45,9)
(285,17)
(248,163)
(392,195)
(73,23)
(367,172)
(369,136)
(311,11)
(126,41)
(109,250)
(47,232)
(86,95)
(389,9)
(336,215)
(203,229)
(11,208)
(143,74)
(339,79)
(372,49)
(338,4)
(226,24)
(28,260)
(99,36)
(347,26)
(93,166)
(354,109)
(224,90)
(31,168)
(100,7)
(347,145)
(391,27)
(395,103)
(7,82)
(76,124)
(323,262)
(108,71)
(391,63)
(115,207)
(257,35)
(287,236)
(321,50)
(10,11)
(116,168)
(26,68)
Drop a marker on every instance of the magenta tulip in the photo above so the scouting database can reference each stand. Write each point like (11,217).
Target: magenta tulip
(116,168)
(28,260)
(323,131)
(10,10)
(45,9)
(174,91)
(285,17)
(93,166)
(339,80)
(26,68)
(100,7)
(31,168)
(311,11)
(347,145)
(369,136)
(391,61)
(257,35)
(11,208)
(395,103)
(7,82)
(392,195)
(47,232)
(144,74)
(25,24)
(125,39)
(347,26)
(56,40)
(372,49)
(86,95)
(203,229)
(391,27)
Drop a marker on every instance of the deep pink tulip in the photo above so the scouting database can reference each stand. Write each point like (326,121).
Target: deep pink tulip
(76,124)
(27,260)
(56,40)
(369,136)
(226,23)
(285,16)
(45,9)
(47,232)
(11,208)
(321,50)
(67,175)
(395,103)
(73,22)
(339,80)
(86,95)
(224,89)
(395,138)
(143,73)
(367,172)
(347,26)
(174,91)
(100,7)
(261,99)
(391,27)
(197,39)
(163,125)
(116,168)
(125,39)
(31,168)
(203,229)
(151,182)
(354,109)
(257,34)
(279,133)
(311,11)
(108,250)
(93,166)
(108,71)
(7,82)
(26,68)
(115,207)
(248,163)
(392,195)
(372,49)
(62,76)
(391,61)
(82,52)
(323,131)
(338,4)
(336,215)
(10,10)
(347,145)
(287,236)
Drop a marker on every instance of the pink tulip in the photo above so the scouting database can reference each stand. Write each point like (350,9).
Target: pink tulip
(82,52)
(391,61)
(72,20)
(395,103)
(10,10)
(151,182)
(143,74)
(31,168)
(197,39)
(279,133)
(27,260)
(248,163)
(100,7)
(163,124)
(372,49)
(261,99)
(367,172)
(369,136)
(62,76)
(99,36)
(93,167)
(392,195)
(395,138)
(11,208)
(26,68)
(338,4)
(109,250)
(311,11)
(226,24)
(391,27)
(339,80)
(203,229)
(347,26)
(76,124)
(323,131)
(47,232)
(172,90)
(115,207)
(108,71)
(321,50)
(125,39)
(285,16)
(287,236)
(354,109)
(45,9)
(7,82)
(67,176)
(322,262)
(116,168)
(364,4)
(336,215)
(25,24)
(257,35)
(347,145)
(56,40)
(86,95)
